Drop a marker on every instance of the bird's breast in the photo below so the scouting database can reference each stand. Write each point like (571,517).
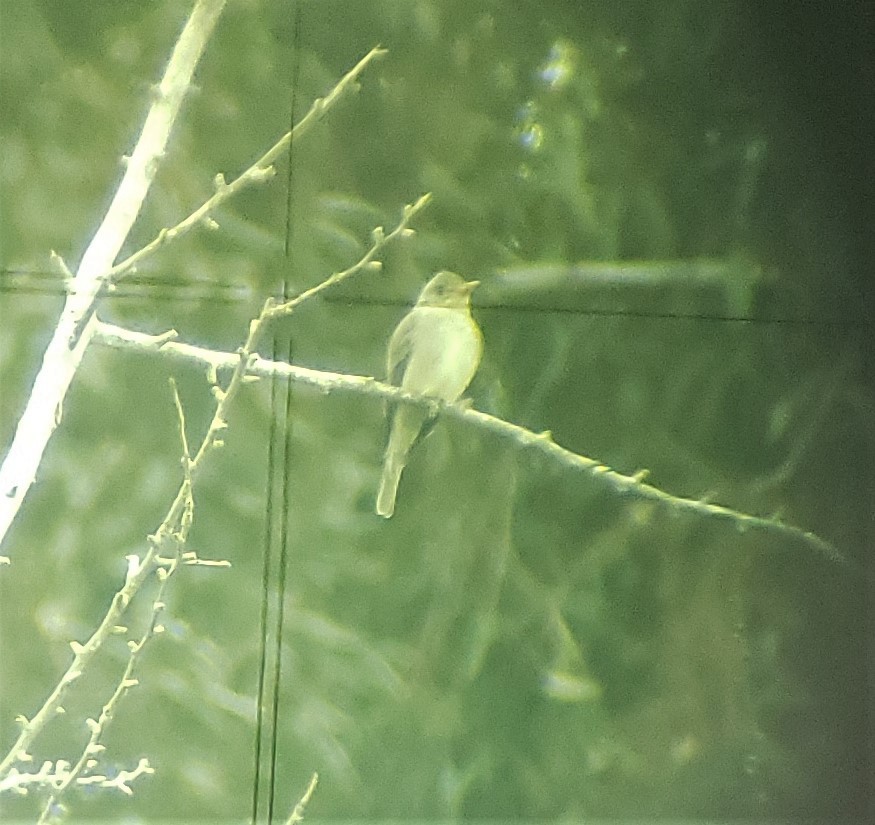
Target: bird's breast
(444,354)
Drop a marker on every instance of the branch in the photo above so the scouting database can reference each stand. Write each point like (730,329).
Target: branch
(76,324)
(50,774)
(83,654)
(297,814)
(631,486)
(175,536)
(260,171)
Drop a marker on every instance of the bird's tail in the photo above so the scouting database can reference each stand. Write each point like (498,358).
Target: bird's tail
(388,487)
(405,429)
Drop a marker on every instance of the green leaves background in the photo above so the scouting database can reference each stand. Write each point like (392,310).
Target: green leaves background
(516,642)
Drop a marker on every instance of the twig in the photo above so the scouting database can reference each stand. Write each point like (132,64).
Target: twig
(97,727)
(246,355)
(175,536)
(53,773)
(297,815)
(379,238)
(83,654)
(259,172)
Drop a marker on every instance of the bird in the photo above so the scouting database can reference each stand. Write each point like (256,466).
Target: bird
(434,351)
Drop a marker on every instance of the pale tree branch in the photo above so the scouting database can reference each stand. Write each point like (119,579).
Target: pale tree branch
(74,330)
(297,814)
(50,774)
(628,486)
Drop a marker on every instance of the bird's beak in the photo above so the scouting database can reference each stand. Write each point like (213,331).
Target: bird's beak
(470,286)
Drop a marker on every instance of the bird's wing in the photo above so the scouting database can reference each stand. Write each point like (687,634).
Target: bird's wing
(399,350)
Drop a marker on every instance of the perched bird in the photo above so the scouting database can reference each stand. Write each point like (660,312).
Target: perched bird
(434,351)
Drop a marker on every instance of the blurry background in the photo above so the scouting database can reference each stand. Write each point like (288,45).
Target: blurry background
(664,205)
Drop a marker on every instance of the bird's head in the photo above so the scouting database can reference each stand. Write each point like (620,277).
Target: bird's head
(447,289)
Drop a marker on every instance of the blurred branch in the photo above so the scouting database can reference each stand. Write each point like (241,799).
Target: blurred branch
(631,486)
(720,287)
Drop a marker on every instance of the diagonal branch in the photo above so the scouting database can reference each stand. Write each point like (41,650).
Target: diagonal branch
(630,486)
(260,171)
